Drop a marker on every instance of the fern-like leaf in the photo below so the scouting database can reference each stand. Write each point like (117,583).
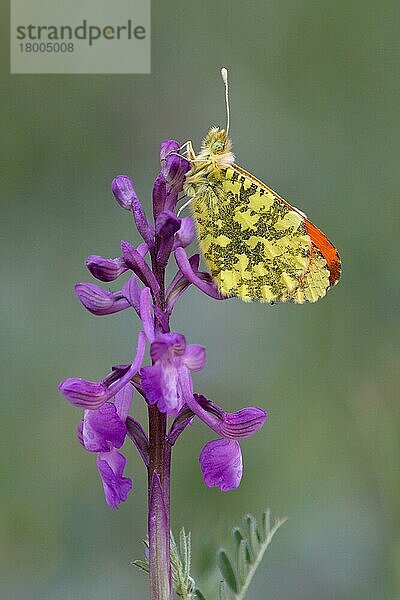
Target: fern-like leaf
(251,545)
(141,564)
(183,583)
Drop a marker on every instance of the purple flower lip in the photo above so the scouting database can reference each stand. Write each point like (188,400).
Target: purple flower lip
(173,166)
(104,429)
(170,181)
(116,487)
(221,464)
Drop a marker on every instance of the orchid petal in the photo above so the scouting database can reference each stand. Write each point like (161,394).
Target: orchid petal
(167,147)
(243,423)
(131,291)
(174,168)
(185,235)
(167,225)
(146,313)
(125,194)
(159,195)
(195,357)
(106,269)
(183,263)
(123,190)
(103,429)
(179,284)
(221,464)
(172,342)
(123,401)
(98,301)
(139,266)
(83,393)
(160,385)
(111,466)
(236,425)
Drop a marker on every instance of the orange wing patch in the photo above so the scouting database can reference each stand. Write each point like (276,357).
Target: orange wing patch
(327,250)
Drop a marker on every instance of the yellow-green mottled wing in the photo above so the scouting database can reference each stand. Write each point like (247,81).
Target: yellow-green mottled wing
(256,246)
(314,284)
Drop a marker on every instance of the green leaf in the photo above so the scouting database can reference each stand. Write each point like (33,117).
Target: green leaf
(243,561)
(237,535)
(198,595)
(228,571)
(251,543)
(184,584)
(254,535)
(222,592)
(141,564)
(266,521)
(186,552)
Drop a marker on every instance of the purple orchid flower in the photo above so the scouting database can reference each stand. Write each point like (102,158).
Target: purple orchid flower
(166,384)
(103,431)
(171,359)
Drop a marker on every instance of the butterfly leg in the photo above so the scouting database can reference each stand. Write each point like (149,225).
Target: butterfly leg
(184,206)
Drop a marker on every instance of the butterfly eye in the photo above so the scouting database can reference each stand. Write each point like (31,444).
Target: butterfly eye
(217,147)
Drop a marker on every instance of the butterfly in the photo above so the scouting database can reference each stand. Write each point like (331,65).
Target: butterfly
(256,245)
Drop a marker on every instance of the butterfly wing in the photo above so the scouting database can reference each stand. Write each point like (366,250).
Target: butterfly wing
(256,245)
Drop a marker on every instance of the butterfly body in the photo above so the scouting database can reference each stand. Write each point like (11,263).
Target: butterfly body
(256,245)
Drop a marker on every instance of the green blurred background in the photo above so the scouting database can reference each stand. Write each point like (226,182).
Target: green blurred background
(314,100)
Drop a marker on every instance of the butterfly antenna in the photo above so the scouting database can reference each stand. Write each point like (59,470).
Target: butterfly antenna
(224,75)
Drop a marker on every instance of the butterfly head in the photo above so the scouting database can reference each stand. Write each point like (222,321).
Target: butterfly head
(216,147)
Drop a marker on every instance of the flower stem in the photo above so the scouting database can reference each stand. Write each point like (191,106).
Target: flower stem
(159,481)
(159,518)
